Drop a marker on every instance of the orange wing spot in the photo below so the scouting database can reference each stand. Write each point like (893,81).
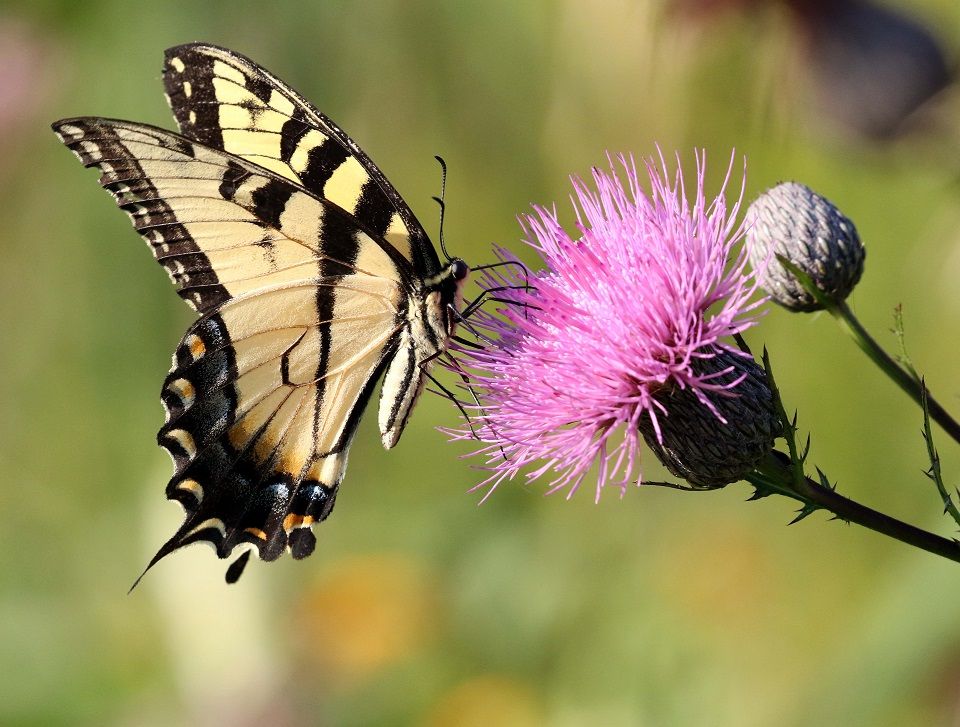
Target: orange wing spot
(292,521)
(196,346)
(256,532)
(192,486)
(184,390)
(185,440)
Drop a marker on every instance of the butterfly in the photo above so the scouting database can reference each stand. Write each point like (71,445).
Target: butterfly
(312,278)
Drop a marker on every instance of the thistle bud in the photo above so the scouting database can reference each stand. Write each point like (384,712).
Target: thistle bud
(696,444)
(808,230)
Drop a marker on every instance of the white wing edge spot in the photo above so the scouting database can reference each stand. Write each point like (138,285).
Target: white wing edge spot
(69,132)
(92,149)
(185,440)
(184,390)
(214,522)
(139,213)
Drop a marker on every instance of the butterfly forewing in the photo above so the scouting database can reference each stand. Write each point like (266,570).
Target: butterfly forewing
(225,101)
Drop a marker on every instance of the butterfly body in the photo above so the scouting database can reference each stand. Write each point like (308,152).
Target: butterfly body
(423,338)
(313,280)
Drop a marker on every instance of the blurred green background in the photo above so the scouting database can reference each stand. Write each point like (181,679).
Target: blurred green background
(419,607)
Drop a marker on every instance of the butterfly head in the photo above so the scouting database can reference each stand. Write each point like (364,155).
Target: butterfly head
(443,296)
(459,270)
(450,278)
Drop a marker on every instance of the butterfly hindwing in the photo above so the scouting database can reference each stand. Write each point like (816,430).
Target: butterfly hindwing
(260,413)
(226,101)
(302,311)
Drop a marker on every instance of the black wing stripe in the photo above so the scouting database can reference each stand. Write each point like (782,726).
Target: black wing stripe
(259,87)
(270,201)
(343,245)
(292,132)
(374,208)
(322,162)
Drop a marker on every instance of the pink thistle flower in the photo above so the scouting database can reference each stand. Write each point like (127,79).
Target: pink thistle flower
(634,306)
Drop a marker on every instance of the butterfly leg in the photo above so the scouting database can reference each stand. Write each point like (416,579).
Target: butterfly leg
(472,328)
(486,296)
(503,263)
(443,390)
(465,342)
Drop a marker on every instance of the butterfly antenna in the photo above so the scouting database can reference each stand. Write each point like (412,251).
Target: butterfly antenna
(443,206)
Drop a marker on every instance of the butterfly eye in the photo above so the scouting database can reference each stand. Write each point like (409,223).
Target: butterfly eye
(459,269)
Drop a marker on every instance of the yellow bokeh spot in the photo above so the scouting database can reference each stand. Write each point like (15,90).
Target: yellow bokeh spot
(711,585)
(369,612)
(487,700)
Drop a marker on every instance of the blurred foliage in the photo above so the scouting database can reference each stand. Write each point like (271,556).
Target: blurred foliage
(419,607)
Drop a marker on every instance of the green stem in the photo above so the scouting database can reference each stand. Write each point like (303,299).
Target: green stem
(910,384)
(934,473)
(778,476)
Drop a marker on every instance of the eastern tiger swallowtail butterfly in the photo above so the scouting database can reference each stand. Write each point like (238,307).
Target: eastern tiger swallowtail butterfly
(312,278)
